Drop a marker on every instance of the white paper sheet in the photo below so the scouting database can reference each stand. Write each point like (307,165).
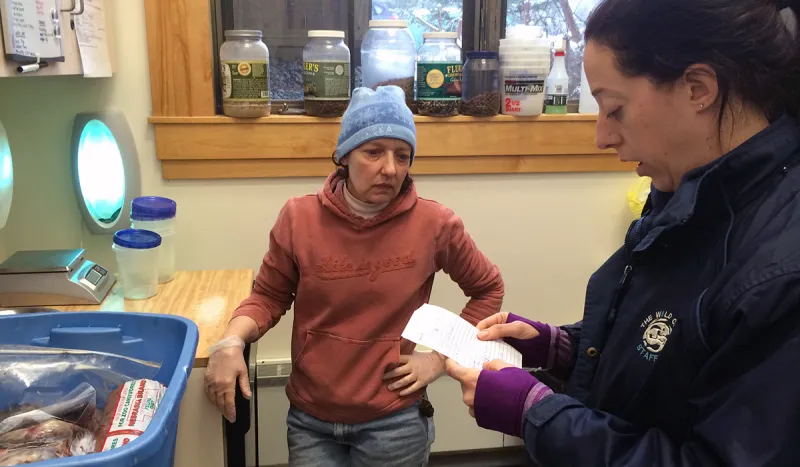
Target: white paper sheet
(452,336)
(90,27)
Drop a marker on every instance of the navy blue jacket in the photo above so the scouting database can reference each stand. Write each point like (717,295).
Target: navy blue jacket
(689,349)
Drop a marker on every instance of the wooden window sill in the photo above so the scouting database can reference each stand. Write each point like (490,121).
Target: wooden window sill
(301,146)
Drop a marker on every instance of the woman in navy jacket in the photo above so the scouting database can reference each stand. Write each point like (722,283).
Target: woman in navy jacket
(689,349)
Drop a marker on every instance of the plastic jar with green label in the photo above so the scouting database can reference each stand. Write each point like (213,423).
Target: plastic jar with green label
(439,72)
(326,74)
(244,62)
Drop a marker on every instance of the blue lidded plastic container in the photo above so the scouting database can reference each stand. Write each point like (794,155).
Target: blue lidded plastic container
(153,208)
(170,340)
(157,214)
(137,239)
(137,262)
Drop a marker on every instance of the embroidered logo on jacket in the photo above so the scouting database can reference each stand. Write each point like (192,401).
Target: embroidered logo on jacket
(331,267)
(657,329)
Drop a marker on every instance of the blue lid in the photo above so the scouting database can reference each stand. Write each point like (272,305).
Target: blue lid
(481,54)
(137,239)
(152,208)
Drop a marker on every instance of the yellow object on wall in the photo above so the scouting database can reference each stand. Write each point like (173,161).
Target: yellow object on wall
(637,195)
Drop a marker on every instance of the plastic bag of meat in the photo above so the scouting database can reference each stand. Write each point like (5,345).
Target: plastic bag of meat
(31,454)
(77,407)
(45,440)
(42,376)
(128,412)
(41,433)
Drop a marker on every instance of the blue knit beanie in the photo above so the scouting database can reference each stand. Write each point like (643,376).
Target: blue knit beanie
(376,114)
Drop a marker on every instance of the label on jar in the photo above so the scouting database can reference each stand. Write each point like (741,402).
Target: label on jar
(555,103)
(523,96)
(439,81)
(326,80)
(244,80)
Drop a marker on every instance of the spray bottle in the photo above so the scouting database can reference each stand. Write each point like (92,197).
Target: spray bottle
(557,84)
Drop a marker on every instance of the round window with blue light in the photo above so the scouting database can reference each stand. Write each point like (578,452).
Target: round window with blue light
(6,177)
(101,173)
(105,170)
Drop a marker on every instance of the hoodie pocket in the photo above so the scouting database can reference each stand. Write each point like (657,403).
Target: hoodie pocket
(345,375)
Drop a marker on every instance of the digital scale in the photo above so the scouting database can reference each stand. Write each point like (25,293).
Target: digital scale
(51,278)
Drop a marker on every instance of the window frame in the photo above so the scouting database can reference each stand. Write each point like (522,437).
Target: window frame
(194,142)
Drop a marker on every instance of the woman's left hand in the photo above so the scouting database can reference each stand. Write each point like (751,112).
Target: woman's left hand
(418,370)
(468,377)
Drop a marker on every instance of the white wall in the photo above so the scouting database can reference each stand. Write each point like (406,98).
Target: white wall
(546,232)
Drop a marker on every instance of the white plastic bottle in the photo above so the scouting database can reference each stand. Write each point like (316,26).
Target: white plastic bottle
(557,84)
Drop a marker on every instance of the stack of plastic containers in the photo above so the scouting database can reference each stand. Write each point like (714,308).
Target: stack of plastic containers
(524,66)
(157,214)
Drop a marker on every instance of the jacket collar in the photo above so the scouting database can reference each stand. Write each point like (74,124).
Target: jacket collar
(740,176)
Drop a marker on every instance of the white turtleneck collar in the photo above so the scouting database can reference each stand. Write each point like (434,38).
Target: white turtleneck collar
(358,207)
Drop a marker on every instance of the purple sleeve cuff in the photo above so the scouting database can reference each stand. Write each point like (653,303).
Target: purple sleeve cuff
(501,398)
(537,393)
(535,352)
(551,350)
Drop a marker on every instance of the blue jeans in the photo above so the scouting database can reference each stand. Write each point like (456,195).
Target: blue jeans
(402,439)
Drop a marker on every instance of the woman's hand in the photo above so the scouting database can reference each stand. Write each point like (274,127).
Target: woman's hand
(468,377)
(499,395)
(418,370)
(496,327)
(226,368)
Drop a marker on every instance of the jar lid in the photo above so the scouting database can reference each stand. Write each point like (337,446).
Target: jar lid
(153,208)
(251,33)
(137,239)
(440,35)
(388,23)
(479,54)
(326,33)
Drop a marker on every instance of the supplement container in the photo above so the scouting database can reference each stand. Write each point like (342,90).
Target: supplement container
(481,85)
(244,74)
(158,215)
(439,73)
(326,74)
(524,66)
(389,57)
(137,261)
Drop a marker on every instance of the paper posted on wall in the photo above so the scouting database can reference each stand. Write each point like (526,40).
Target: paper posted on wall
(90,28)
(454,337)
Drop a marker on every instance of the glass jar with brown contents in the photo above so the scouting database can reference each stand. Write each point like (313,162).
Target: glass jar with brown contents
(244,67)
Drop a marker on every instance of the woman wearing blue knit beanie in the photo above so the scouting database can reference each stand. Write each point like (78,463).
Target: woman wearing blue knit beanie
(357,260)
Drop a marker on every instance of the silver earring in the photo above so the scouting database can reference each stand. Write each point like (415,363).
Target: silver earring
(702,106)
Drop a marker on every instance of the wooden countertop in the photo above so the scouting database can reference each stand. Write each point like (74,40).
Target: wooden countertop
(206,297)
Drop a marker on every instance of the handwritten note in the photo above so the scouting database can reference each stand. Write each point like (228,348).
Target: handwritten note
(90,27)
(32,27)
(452,336)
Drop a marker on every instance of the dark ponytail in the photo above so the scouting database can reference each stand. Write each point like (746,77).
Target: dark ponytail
(752,45)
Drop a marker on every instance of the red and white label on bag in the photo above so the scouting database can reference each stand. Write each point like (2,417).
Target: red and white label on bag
(137,405)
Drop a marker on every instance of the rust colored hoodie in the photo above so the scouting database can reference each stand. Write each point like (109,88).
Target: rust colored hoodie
(355,283)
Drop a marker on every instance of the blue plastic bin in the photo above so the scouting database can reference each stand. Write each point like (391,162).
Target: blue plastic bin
(170,340)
